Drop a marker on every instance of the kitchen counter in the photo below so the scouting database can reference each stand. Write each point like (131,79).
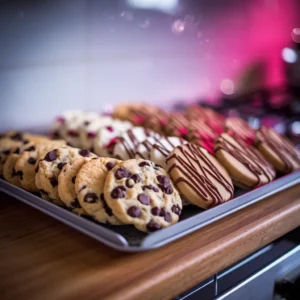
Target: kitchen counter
(42,258)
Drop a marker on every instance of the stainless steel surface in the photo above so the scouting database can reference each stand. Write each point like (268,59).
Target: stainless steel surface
(127,238)
(260,286)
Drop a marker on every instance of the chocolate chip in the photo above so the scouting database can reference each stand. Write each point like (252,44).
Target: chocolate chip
(32,148)
(17,151)
(129,183)
(54,181)
(6,152)
(20,174)
(73,133)
(82,188)
(75,203)
(61,165)
(86,123)
(155,211)
(55,134)
(17,137)
(152,226)
(163,179)
(166,215)
(73,179)
(134,212)
(25,142)
(122,173)
(166,189)
(118,192)
(143,164)
(105,206)
(84,152)
(31,160)
(109,165)
(14,173)
(50,156)
(90,198)
(176,209)
(136,178)
(150,187)
(144,199)
(37,168)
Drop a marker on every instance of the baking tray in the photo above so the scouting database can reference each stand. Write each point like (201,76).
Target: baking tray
(127,238)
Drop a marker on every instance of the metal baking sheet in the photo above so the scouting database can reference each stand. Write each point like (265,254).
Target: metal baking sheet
(127,238)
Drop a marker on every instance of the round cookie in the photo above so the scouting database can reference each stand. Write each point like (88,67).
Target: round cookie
(27,162)
(143,149)
(215,120)
(89,187)
(198,176)
(88,130)
(201,134)
(7,145)
(66,184)
(278,150)
(245,164)
(239,128)
(177,125)
(106,137)
(142,194)
(9,172)
(126,144)
(49,168)
(161,149)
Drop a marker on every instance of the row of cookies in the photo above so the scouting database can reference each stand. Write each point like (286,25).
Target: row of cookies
(111,191)
(88,130)
(251,157)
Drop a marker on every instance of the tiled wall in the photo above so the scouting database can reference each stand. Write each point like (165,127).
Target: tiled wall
(58,55)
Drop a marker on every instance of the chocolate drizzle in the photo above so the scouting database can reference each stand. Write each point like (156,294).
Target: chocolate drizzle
(190,160)
(165,148)
(284,149)
(131,144)
(248,156)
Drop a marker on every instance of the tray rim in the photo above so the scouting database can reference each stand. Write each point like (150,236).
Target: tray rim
(159,238)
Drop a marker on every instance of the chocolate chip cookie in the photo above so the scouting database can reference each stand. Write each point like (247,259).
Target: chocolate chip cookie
(89,187)
(198,176)
(142,194)
(28,160)
(9,172)
(49,168)
(66,184)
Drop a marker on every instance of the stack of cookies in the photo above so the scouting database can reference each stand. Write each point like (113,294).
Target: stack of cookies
(138,166)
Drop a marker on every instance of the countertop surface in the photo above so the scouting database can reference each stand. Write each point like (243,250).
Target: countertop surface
(42,258)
